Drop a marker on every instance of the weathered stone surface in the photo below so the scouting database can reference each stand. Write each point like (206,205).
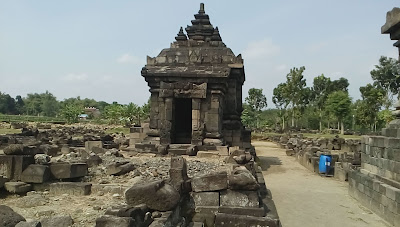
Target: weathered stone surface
(42,159)
(6,166)
(68,170)
(29,224)
(20,149)
(12,166)
(242,179)
(71,188)
(3,180)
(192,150)
(113,221)
(93,160)
(59,221)
(8,217)
(230,220)
(36,174)
(14,149)
(210,182)
(239,198)
(205,198)
(250,211)
(17,187)
(156,195)
(178,173)
(120,168)
(89,145)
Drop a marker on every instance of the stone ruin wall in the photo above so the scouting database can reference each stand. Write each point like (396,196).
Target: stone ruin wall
(377,183)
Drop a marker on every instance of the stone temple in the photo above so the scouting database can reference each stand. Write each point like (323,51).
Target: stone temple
(196,92)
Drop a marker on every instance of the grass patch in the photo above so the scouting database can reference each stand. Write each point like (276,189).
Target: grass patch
(27,118)
(308,135)
(118,130)
(4,131)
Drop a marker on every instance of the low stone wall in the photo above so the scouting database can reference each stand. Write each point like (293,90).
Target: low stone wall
(376,184)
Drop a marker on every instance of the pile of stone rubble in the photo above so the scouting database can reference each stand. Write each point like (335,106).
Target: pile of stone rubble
(345,153)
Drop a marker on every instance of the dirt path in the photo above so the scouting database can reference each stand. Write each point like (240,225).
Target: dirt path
(306,199)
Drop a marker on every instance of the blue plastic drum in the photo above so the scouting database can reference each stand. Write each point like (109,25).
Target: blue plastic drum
(325,163)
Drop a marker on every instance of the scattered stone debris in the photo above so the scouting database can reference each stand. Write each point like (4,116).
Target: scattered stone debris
(201,172)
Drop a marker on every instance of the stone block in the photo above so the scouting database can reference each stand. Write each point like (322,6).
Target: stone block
(239,198)
(20,163)
(136,130)
(391,192)
(205,198)
(90,144)
(231,220)
(156,195)
(36,174)
(62,221)
(17,187)
(207,219)
(210,182)
(3,180)
(12,166)
(70,188)
(208,154)
(108,221)
(6,166)
(120,168)
(392,142)
(68,170)
(196,224)
(29,224)
(8,217)
(250,211)
(223,150)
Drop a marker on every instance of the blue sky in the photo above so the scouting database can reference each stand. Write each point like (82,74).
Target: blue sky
(96,49)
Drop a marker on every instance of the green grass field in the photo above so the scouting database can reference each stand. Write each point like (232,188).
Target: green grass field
(26,118)
(4,131)
(308,135)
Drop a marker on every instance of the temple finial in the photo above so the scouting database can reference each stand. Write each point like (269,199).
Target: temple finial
(216,36)
(201,11)
(181,35)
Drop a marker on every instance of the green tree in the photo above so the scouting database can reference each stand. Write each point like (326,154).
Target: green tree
(19,105)
(339,104)
(320,91)
(256,101)
(49,104)
(281,102)
(368,108)
(387,76)
(248,116)
(7,104)
(71,113)
(131,112)
(341,84)
(295,91)
(114,113)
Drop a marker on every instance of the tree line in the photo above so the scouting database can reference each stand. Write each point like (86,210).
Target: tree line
(326,104)
(46,104)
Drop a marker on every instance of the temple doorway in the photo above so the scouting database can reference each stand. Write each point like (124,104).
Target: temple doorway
(183,121)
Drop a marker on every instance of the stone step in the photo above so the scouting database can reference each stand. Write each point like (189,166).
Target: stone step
(177,151)
(179,146)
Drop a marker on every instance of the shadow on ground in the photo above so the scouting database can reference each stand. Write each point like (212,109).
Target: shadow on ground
(267,162)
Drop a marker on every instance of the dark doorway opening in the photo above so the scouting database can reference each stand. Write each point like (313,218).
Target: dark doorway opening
(183,121)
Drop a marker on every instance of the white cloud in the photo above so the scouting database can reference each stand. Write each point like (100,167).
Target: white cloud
(281,67)
(75,77)
(130,59)
(261,49)
(317,47)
